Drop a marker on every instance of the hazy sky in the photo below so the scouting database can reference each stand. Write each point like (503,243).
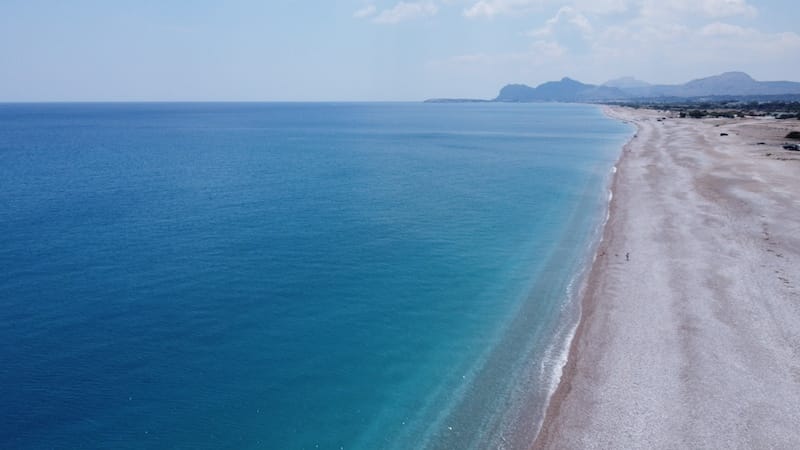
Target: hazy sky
(377,50)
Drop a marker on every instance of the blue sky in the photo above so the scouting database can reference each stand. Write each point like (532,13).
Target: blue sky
(282,50)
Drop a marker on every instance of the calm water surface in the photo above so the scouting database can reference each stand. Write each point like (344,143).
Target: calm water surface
(288,276)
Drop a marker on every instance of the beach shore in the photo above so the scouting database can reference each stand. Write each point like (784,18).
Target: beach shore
(690,327)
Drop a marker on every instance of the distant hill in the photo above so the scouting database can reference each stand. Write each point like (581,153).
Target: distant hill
(729,84)
(566,90)
(626,83)
(739,82)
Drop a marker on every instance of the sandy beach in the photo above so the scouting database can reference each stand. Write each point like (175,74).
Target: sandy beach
(690,328)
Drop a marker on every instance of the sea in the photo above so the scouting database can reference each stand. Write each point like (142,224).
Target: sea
(292,275)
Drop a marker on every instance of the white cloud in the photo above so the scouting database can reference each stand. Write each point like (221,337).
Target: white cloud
(677,52)
(566,14)
(492,8)
(662,41)
(649,8)
(727,8)
(722,29)
(659,9)
(656,40)
(603,6)
(403,11)
(365,12)
(747,43)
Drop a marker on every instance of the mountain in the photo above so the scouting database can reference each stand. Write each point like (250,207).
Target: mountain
(723,84)
(729,84)
(626,83)
(739,83)
(566,90)
(516,93)
(726,84)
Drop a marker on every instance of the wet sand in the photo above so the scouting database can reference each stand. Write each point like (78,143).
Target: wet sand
(694,342)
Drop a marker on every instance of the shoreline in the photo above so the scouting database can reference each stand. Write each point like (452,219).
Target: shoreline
(561,345)
(586,282)
(631,384)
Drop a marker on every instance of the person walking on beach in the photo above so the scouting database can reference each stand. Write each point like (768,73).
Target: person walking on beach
(627,256)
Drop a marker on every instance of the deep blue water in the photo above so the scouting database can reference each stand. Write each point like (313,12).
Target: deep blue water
(290,275)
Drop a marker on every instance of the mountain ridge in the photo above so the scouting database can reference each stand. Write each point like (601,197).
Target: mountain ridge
(729,84)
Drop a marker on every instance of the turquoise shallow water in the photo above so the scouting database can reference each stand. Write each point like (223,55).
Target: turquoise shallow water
(290,275)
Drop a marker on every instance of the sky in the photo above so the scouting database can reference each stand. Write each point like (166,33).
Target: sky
(377,50)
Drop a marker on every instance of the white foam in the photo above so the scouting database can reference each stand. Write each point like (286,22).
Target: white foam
(557,354)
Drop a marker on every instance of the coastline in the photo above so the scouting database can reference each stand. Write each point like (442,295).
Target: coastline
(652,377)
(583,298)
